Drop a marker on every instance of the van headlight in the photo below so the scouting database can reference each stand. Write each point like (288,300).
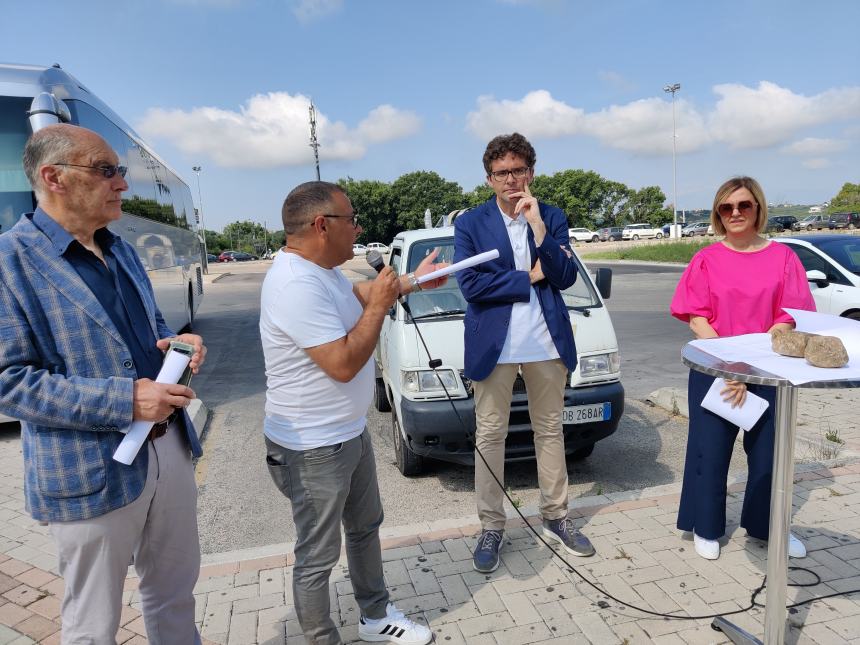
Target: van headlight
(599,364)
(427,382)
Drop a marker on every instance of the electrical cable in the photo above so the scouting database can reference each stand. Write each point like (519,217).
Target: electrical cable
(434,364)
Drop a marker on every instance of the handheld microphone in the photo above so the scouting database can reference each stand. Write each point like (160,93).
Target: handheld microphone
(374,259)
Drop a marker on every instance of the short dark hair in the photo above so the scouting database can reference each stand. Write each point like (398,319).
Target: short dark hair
(505,143)
(304,202)
(53,144)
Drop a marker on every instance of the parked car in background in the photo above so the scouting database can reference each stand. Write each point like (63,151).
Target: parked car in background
(844,220)
(425,424)
(696,228)
(210,257)
(377,246)
(610,234)
(772,227)
(582,235)
(832,264)
(359,249)
(636,231)
(785,221)
(810,222)
(235,256)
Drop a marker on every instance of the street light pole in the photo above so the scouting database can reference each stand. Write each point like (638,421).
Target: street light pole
(312,116)
(674,88)
(197,170)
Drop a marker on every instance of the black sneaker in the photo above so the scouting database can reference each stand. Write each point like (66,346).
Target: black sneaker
(563,532)
(486,558)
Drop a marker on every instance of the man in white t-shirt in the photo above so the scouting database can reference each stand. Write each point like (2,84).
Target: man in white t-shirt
(318,332)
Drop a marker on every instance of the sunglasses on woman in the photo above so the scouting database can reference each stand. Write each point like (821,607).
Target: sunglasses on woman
(744,207)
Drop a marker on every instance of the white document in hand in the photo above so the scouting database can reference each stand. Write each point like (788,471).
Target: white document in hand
(744,417)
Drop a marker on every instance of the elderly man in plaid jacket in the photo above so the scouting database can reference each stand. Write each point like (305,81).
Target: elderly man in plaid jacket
(81,342)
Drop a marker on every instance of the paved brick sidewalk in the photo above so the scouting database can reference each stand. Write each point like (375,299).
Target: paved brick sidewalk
(641,558)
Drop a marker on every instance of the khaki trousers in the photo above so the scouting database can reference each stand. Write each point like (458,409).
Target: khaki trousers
(158,530)
(545,383)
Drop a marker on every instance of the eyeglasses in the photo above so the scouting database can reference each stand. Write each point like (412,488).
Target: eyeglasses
(502,175)
(353,219)
(107,171)
(744,207)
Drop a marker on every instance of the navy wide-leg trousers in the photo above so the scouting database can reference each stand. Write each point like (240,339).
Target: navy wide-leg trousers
(710,441)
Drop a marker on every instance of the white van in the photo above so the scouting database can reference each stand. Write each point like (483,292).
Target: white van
(424,423)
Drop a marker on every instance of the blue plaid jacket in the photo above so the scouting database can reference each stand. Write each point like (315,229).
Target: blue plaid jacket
(67,374)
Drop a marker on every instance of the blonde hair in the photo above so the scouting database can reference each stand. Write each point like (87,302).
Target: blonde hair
(730,186)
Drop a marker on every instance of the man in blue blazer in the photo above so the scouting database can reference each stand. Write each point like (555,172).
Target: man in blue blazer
(516,321)
(81,342)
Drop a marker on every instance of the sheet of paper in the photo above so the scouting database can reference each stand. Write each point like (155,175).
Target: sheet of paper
(745,417)
(171,371)
(462,264)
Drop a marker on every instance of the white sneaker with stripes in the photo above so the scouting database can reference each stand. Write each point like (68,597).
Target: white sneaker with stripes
(394,628)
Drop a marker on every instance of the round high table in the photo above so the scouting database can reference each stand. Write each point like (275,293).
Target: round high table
(782,483)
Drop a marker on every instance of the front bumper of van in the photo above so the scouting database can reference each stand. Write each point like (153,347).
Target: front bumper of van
(433,429)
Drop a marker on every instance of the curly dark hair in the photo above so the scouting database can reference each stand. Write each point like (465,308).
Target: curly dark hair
(505,143)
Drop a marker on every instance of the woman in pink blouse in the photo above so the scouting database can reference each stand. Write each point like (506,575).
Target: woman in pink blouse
(737,286)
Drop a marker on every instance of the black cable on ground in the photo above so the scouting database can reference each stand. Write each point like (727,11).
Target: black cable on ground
(434,365)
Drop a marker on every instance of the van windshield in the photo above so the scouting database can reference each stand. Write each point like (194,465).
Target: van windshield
(15,195)
(449,299)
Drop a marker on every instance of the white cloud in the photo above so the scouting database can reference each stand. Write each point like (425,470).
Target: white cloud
(816,164)
(309,10)
(272,130)
(743,117)
(812,146)
(769,115)
(537,115)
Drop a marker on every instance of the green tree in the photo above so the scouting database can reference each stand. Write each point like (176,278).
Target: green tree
(848,198)
(415,192)
(246,236)
(372,200)
(478,195)
(646,205)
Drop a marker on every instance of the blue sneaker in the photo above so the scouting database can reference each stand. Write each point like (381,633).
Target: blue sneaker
(563,532)
(486,558)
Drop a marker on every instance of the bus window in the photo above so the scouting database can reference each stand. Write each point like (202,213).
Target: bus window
(15,195)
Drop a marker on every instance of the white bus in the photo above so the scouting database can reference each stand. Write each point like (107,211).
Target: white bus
(158,211)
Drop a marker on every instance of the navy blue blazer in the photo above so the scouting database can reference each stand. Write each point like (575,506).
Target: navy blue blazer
(492,287)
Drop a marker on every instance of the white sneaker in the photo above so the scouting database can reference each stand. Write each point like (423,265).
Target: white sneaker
(795,547)
(394,628)
(708,549)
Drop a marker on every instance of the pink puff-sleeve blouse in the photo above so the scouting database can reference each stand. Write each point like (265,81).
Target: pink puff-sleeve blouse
(742,293)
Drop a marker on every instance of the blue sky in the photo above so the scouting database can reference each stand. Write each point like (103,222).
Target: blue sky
(770,88)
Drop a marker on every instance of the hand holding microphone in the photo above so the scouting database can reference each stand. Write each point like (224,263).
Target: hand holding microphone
(386,288)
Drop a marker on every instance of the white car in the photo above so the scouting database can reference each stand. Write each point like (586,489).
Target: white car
(582,235)
(359,249)
(636,231)
(832,264)
(377,246)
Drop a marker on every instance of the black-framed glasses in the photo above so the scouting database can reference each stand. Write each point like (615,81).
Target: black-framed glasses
(502,175)
(107,171)
(744,207)
(353,219)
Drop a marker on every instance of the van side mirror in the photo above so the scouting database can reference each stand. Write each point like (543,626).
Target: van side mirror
(603,279)
(817,277)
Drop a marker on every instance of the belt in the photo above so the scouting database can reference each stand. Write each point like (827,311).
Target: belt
(160,428)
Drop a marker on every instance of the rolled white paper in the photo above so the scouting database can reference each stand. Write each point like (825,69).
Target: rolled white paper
(486,256)
(170,372)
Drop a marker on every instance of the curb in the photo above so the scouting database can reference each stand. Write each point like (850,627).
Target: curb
(671,399)
(199,414)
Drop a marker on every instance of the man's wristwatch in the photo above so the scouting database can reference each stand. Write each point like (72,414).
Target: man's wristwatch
(413,282)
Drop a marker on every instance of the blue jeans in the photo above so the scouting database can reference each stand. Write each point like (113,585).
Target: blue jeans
(328,486)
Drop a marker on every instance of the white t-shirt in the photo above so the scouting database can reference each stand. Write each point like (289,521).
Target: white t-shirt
(528,339)
(304,305)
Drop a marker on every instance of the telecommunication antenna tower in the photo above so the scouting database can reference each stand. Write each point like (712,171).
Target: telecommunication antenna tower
(314,143)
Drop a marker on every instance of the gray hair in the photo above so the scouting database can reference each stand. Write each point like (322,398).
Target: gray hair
(304,202)
(53,144)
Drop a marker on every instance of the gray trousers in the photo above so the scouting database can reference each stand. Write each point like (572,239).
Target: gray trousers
(328,486)
(158,530)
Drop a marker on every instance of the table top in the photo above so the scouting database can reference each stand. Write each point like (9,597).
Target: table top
(702,361)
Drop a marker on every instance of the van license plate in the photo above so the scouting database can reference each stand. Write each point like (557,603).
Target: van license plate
(586,413)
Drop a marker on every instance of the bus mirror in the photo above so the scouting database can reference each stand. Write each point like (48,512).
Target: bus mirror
(46,109)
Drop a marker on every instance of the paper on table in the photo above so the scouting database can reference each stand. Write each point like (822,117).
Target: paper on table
(744,417)
(486,256)
(170,372)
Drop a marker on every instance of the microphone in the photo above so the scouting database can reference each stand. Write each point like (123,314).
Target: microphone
(374,259)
